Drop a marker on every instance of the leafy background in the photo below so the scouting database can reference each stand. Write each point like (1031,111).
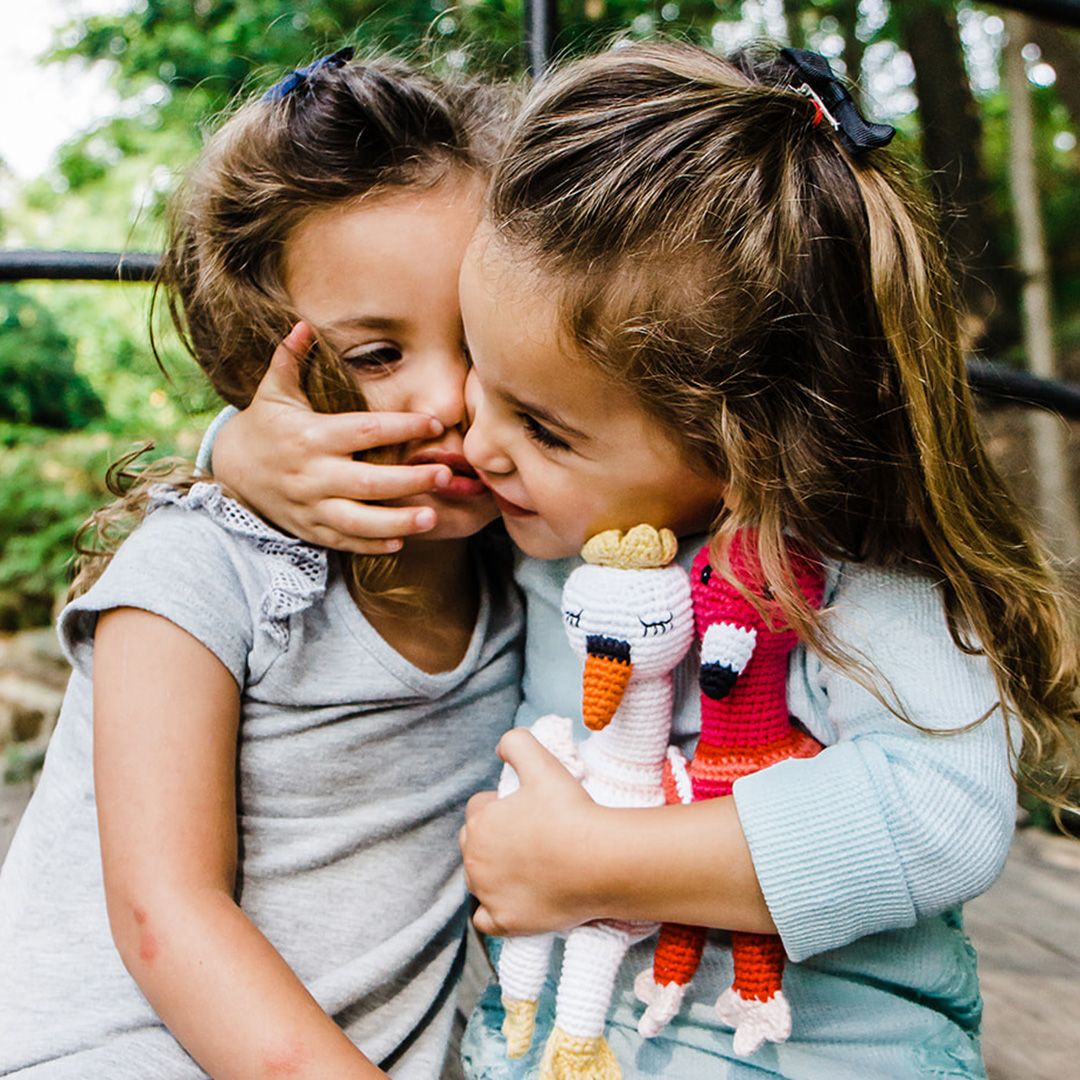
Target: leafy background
(78,383)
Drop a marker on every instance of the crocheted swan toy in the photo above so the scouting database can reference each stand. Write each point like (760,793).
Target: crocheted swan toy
(628,614)
(745,727)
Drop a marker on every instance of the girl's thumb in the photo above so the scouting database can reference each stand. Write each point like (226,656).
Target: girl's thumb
(530,760)
(282,377)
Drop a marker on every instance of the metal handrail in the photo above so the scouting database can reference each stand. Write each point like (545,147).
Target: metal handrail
(1008,386)
(1058,11)
(32,265)
(993,382)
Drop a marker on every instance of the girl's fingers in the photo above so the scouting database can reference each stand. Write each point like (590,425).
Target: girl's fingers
(357,521)
(362,547)
(485,924)
(533,762)
(343,434)
(369,482)
(282,377)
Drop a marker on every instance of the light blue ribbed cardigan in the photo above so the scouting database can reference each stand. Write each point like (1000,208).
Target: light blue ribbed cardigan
(864,853)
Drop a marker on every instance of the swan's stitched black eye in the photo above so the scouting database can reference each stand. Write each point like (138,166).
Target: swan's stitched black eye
(656,627)
(706,573)
(572,618)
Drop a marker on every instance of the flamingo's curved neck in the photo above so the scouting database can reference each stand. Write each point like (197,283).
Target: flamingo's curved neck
(755,713)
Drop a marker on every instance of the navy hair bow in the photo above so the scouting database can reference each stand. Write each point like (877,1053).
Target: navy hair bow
(830,95)
(300,75)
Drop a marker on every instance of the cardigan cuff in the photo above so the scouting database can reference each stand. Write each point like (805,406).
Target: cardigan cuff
(204,460)
(822,851)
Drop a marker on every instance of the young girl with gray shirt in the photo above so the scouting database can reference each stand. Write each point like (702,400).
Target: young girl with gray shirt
(241,857)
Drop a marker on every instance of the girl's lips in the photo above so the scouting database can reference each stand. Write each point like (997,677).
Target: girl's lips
(464,483)
(510,509)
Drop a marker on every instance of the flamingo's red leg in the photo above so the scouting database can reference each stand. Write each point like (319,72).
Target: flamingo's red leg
(678,953)
(759,965)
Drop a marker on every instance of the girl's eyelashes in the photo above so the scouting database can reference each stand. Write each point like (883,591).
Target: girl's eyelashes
(540,434)
(373,358)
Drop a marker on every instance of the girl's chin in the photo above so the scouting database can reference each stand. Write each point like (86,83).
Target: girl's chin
(455,521)
(532,538)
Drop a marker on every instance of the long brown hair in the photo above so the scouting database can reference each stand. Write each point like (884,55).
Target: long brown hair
(786,312)
(343,133)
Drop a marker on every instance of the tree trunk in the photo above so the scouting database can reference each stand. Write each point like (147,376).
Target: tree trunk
(951,146)
(791,22)
(847,11)
(1057,501)
(1061,50)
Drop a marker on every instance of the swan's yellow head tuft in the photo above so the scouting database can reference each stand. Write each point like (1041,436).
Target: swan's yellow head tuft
(642,548)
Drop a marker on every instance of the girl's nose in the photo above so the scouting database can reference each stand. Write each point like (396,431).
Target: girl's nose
(482,446)
(442,394)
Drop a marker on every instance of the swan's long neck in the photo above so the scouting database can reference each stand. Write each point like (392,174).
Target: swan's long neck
(630,751)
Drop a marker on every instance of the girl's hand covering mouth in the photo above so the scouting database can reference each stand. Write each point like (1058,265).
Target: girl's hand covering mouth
(296,467)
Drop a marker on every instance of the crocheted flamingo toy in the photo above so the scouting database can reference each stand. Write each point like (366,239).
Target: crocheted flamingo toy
(628,614)
(745,727)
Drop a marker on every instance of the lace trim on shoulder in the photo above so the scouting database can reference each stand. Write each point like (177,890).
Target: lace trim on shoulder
(297,570)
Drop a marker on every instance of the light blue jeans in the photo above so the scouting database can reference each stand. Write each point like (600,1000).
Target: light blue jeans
(901,1005)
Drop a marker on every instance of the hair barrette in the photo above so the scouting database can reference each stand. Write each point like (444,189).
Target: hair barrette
(299,75)
(833,102)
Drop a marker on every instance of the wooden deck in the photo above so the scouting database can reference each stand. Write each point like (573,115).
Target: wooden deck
(1026,930)
(1027,933)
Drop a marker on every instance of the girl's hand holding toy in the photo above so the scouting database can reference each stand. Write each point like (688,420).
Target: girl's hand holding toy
(552,817)
(581,866)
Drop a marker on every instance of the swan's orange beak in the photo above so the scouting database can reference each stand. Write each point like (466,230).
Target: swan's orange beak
(607,671)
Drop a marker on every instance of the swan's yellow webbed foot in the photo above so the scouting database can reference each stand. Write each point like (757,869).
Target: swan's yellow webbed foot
(575,1057)
(518,1025)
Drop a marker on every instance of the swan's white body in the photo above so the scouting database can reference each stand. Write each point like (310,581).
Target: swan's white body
(617,619)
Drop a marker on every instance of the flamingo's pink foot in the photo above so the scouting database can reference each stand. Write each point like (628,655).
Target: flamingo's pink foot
(518,1024)
(755,1022)
(578,1057)
(663,1003)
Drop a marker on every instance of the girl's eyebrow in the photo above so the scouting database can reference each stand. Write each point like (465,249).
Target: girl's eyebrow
(367,322)
(548,418)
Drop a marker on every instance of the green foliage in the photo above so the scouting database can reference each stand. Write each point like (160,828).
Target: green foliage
(49,485)
(38,380)
(79,358)
(51,481)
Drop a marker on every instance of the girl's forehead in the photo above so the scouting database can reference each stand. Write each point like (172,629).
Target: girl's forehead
(514,326)
(393,255)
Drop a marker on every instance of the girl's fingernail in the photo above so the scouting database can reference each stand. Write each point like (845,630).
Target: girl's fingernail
(425,519)
(436,426)
(443,478)
(393,545)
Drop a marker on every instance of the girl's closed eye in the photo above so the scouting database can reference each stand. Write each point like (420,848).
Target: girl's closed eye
(542,435)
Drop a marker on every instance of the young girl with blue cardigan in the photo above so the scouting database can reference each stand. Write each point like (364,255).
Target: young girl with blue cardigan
(705,296)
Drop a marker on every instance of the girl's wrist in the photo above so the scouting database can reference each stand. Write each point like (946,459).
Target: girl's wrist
(600,856)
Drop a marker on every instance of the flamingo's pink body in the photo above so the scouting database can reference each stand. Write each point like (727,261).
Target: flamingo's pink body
(745,726)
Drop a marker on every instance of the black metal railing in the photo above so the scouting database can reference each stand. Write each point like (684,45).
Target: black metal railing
(992,382)
(29,265)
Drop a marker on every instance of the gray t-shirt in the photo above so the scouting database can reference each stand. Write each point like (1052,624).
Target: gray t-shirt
(354,769)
